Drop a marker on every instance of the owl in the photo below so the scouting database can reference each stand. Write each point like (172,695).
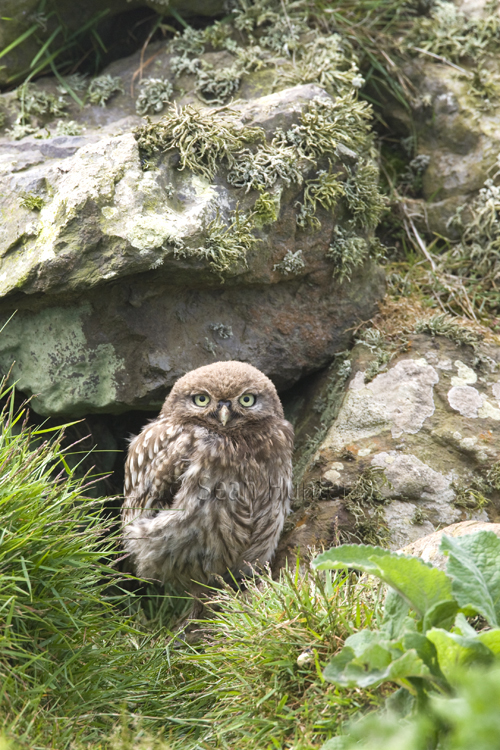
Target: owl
(208,483)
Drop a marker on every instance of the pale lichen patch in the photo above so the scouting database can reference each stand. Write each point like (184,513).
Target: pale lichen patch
(488,411)
(496,391)
(466,375)
(398,401)
(466,400)
(45,346)
(150,231)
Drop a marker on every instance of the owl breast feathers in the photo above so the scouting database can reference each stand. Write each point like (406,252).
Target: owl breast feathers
(208,483)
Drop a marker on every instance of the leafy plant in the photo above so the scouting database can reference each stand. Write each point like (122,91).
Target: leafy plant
(468,719)
(424,636)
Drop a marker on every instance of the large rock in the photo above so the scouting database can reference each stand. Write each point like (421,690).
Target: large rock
(428,546)
(126,269)
(409,445)
(453,117)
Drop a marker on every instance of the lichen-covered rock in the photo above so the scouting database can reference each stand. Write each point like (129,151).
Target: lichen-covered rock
(139,249)
(411,443)
(455,105)
(428,546)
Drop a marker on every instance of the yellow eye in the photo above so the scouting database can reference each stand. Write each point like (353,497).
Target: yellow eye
(201,399)
(247,399)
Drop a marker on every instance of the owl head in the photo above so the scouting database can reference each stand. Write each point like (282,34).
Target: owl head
(224,397)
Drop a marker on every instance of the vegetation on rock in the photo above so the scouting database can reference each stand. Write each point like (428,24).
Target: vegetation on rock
(84,663)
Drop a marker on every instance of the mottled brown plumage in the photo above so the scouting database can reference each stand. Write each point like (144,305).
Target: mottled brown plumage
(208,483)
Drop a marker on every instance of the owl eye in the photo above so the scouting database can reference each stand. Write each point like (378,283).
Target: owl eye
(248,399)
(201,399)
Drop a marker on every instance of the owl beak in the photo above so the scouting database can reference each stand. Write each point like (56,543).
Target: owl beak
(224,414)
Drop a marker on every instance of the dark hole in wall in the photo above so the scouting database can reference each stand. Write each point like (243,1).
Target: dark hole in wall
(127,32)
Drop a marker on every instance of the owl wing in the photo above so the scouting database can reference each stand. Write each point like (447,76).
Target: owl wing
(156,459)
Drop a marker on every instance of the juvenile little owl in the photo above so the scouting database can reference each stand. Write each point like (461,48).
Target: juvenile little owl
(208,483)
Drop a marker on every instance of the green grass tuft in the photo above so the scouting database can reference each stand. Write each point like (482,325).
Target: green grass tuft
(70,656)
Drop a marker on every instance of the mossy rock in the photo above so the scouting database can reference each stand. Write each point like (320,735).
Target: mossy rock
(125,248)
(411,443)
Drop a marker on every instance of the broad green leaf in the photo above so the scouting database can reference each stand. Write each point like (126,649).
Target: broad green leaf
(491,639)
(455,651)
(425,650)
(474,566)
(395,615)
(441,615)
(360,556)
(462,626)
(376,665)
(421,585)
(361,641)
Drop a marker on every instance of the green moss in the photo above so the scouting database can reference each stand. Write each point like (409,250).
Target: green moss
(226,244)
(469,498)
(292,263)
(325,60)
(411,178)
(365,503)
(419,516)
(338,129)
(445,325)
(218,85)
(348,251)
(325,124)
(492,477)
(32,202)
(484,88)
(223,331)
(190,43)
(69,127)
(261,169)
(203,138)
(454,34)
(273,24)
(34,103)
(326,190)
(265,209)
(210,347)
(374,340)
(362,194)
(102,88)
(19,131)
(37,102)
(75,81)
(154,94)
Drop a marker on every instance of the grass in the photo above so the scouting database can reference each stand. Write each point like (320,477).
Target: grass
(68,647)
(63,48)
(253,691)
(84,663)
